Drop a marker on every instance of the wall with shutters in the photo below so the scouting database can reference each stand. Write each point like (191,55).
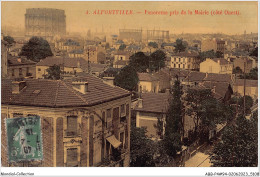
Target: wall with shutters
(84,144)
(59,143)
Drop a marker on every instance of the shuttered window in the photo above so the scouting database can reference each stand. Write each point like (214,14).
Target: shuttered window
(72,157)
(72,126)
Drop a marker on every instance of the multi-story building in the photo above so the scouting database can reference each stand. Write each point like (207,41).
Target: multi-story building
(45,22)
(84,122)
(216,65)
(245,63)
(19,67)
(213,44)
(185,60)
(151,112)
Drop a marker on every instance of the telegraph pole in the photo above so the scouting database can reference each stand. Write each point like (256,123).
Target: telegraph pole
(88,62)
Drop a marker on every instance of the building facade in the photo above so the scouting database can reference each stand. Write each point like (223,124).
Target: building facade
(185,60)
(81,125)
(216,65)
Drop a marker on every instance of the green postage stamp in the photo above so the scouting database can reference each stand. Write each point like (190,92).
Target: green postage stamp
(24,139)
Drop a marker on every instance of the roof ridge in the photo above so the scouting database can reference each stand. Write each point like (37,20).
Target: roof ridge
(72,90)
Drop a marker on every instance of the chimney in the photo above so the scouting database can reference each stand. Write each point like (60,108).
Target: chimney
(17,86)
(80,86)
(140,103)
(78,64)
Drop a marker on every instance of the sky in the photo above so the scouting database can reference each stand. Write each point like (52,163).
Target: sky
(77,20)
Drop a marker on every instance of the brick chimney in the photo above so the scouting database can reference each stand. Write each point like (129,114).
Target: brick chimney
(17,86)
(80,86)
(140,103)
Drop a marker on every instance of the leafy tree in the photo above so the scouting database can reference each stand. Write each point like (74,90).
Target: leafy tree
(157,60)
(219,54)
(207,54)
(36,49)
(127,78)
(239,144)
(173,129)
(180,46)
(254,52)
(122,47)
(153,44)
(53,72)
(9,41)
(253,74)
(240,103)
(205,110)
(141,149)
(237,70)
(139,61)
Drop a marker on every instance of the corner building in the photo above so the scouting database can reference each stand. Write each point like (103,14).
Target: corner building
(84,122)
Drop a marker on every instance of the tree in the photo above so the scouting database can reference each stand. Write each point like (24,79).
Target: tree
(240,103)
(157,60)
(207,54)
(219,54)
(253,74)
(237,70)
(53,72)
(173,128)
(141,149)
(139,61)
(180,46)
(239,144)
(254,52)
(122,47)
(36,49)
(153,44)
(127,78)
(205,110)
(9,41)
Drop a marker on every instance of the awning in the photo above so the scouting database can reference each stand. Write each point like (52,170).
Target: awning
(113,141)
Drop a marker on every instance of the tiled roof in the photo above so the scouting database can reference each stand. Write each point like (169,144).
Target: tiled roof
(179,72)
(57,93)
(154,102)
(195,76)
(187,54)
(15,61)
(68,62)
(221,61)
(218,77)
(121,53)
(148,77)
(249,83)
(220,88)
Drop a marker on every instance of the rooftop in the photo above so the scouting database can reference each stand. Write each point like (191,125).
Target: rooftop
(154,102)
(148,77)
(249,83)
(60,93)
(16,61)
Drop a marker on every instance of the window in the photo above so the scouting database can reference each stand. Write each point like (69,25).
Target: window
(72,157)
(72,126)
(183,65)
(174,59)
(39,69)
(122,109)
(174,65)
(179,59)
(20,71)
(109,118)
(179,65)
(121,58)
(12,72)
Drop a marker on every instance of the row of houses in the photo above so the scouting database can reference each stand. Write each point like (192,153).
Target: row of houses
(152,104)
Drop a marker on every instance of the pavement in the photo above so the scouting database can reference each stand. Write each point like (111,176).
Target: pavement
(199,160)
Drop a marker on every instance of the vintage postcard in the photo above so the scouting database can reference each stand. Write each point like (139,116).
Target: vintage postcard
(129,84)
